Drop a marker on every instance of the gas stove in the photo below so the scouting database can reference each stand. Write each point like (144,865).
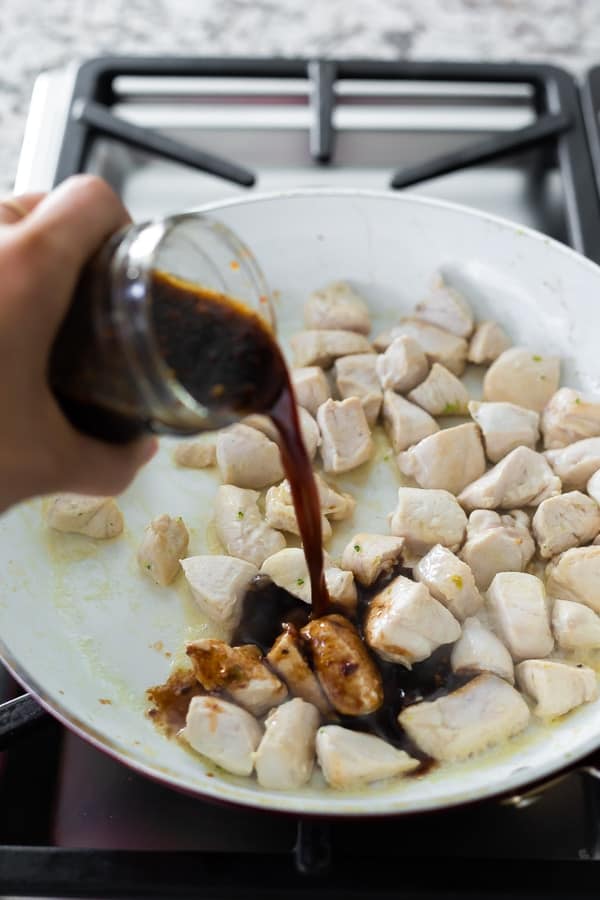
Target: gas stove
(521,141)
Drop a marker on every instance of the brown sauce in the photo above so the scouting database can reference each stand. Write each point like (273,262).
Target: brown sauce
(227,358)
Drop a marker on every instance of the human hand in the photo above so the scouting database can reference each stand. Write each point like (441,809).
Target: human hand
(45,241)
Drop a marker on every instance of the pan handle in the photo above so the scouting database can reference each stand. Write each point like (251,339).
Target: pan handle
(17,717)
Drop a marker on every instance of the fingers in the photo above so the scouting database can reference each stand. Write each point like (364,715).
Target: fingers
(15,208)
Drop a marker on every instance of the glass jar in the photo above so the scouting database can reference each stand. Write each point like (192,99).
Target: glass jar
(106,367)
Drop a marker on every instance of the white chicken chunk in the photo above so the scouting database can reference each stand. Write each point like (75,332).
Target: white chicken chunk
(405,423)
(593,487)
(504,427)
(450,459)
(356,376)
(308,428)
(337,306)
(345,437)
(497,544)
(368,556)
(522,376)
(95,517)
(288,569)
(218,585)
(336,505)
(556,687)
(438,345)
(441,394)
(522,478)
(568,418)
(322,348)
(565,521)
(239,671)
(449,580)
(280,512)
(484,712)
(402,366)
(350,759)
(425,518)
(405,624)
(285,756)
(287,660)
(575,626)
(164,543)
(341,588)
(223,732)
(576,463)
(575,575)
(479,650)
(241,528)
(311,387)
(247,458)
(445,307)
(488,342)
(195,454)
(517,602)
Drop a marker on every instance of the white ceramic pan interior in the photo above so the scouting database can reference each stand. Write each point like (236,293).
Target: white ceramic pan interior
(88,633)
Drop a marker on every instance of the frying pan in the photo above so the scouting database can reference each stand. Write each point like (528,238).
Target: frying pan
(86,632)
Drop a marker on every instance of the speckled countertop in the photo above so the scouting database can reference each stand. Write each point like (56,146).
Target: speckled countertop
(38,34)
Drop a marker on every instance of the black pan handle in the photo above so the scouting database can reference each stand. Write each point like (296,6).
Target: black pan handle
(17,717)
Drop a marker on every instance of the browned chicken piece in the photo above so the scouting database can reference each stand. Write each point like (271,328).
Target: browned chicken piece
(286,659)
(195,454)
(345,670)
(238,671)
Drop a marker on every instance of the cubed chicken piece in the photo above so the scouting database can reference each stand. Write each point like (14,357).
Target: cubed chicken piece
(240,526)
(445,307)
(263,424)
(405,624)
(287,660)
(568,418)
(497,544)
(356,377)
(368,556)
(308,428)
(346,672)
(505,427)
(517,602)
(557,687)
(522,478)
(593,487)
(238,671)
(426,518)
(337,306)
(575,575)
(575,626)
(449,580)
(247,458)
(488,342)
(288,569)
(403,365)
(195,454)
(484,712)
(438,345)
(336,505)
(218,585)
(95,517)
(405,423)
(479,650)
(341,589)
(441,394)
(576,463)
(450,459)
(565,521)
(351,759)
(345,437)
(164,543)
(311,387)
(285,756)
(223,732)
(522,376)
(280,512)
(322,348)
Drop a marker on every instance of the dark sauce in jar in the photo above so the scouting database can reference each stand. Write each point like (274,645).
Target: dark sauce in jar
(226,357)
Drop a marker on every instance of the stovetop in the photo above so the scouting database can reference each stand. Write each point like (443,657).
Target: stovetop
(521,141)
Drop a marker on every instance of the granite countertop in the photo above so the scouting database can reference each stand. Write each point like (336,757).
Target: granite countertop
(39,34)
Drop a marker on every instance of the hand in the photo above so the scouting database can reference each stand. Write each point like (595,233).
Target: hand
(41,256)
